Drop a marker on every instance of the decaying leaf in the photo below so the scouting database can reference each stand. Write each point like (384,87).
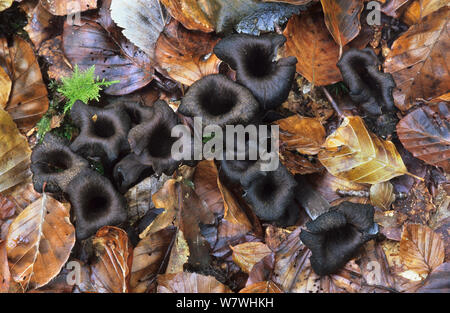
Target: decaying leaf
(40,22)
(426,135)
(111,270)
(298,164)
(179,255)
(39,242)
(5,276)
(355,154)
(382,195)
(14,153)
(262,287)
(246,255)
(99,42)
(194,15)
(421,249)
(5,88)
(59,66)
(65,7)
(141,20)
(438,280)
(418,60)
(206,187)
(394,7)
(190,283)
(4,4)
(28,100)
(303,134)
(342,19)
(308,39)
(186,56)
(418,9)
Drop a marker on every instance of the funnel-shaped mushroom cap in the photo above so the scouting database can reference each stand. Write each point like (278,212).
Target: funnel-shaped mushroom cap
(335,237)
(253,58)
(219,101)
(95,202)
(269,193)
(103,132)
(129,172)
(53,163)
(368,86)
(135,110)
(152,141)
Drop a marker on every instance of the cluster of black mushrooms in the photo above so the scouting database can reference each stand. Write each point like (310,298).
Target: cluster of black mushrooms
(134,141)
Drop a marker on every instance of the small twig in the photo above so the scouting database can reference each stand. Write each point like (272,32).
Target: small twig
(333,103)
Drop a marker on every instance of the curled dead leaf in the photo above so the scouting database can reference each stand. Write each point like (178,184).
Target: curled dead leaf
(382,195)
(355,154)
(186,56)
(14,153)
(190,283)
(246,255)
(421,249)
(110,272)
(39,242)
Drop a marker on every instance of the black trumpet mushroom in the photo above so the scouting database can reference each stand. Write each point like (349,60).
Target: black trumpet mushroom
(137,112)
(96,203)
(54,165)
(219,101)
(271,195)
(369,87)
(103,132)
(152,142)
(336,236)
(129,172)
(253,59)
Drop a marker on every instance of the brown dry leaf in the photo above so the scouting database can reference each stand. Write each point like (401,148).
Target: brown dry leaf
(382,195)
(426,135)
(317,53)
(374,266)
(342,19)
(296,2)
(262,287)
(111,270)
(205,182)
(298,164)
(64,7)
(418,9)
(40,24)
(179,254)
(185,55)
(246,255)
(437,282)
(5,88)
(190,283)
(39,242)
(14,153)
(4,4)
(419,58)
(355,154)
(421,249)
(59,66)
(22,195)
(192,14)
(5,276)
(393,7)
(98,41)
(148,258)
(28,100)
(142,22)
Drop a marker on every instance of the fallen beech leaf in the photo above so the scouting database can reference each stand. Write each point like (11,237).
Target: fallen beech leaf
(141,20)
(438,280)
(317,53)
(342,19)
(374,267)
(22,195)
(303,134)
(186,56)
(393,7)
(421,8)
(99,42)
(14,153)
(418,60)
(298,164)
(190,283)
(65,7)
(426,135)
(246,255)
(355,154)
(206,187)
(194,15)
(4,4)
(59,66)
(40,22)
(262,287)
(148,258)
(28,100)
(110,271)
(39,242)
(382,195)
(5,276)
(179,255)
(5,88)
(421,249)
